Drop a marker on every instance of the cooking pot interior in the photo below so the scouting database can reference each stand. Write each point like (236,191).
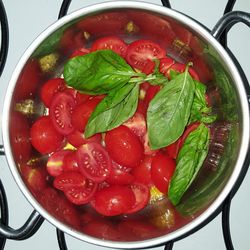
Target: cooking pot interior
(184,44)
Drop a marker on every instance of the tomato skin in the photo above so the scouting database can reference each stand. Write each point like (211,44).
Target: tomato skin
(70,162)
(94,161)
(82,112)
(50,88)
(142,173)
(121,142)
(60,112)
(139,51)
(113,200)
(79,52)
(110,42)
(162,170)
(165,64)
(44,137)
(151,92)
(76,138)
(68,180)
(142,196)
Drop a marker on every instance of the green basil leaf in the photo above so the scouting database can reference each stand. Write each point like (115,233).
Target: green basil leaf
(189,161)
(117,107)
(97,72)
(199,110)
(169,111)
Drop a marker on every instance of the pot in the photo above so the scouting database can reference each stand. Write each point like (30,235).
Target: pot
(185,40)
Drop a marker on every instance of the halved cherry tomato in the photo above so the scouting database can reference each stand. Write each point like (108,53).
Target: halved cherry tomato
(81,195)
(113,200)
(82,112)
(121,142)
(70,162)
(79,52)
(142,196)
(139,51)
(68,180)
(60,112)
(119,175)
(110,42)
(142,173)
(94,161)
(56,161)
(162,170)
(50,88)
(148,67)
(44,137)
(76,138)
(165,64)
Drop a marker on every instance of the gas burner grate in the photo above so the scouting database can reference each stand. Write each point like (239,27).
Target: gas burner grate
(35,220)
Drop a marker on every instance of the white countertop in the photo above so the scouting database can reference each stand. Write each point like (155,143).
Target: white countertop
(29,18)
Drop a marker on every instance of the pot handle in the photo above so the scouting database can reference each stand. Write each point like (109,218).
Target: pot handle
(32,224)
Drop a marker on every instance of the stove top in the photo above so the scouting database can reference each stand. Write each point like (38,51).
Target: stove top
(27,19)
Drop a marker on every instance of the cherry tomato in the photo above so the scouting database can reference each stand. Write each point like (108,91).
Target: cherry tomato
(79,52)
(148,67)
(180,67)
(76,138)
(142,173)
(82,112)
(44,137)
(165,64)
(81,195)
(119,175)
(20,137)
(70,162)
(142,196)
(162,170)
(60,112)
(113,200)
(94,161)
(121,142)
(56,161)
(68,180)
(50,88)
(110,42)
(150,94)
(139,51)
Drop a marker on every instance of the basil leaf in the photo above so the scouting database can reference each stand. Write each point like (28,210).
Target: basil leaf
(117,107)
(200,111)
(169,111)
(97,72)
(189,162)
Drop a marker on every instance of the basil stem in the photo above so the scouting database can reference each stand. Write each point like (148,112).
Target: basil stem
(169,111)
(117,107)
(189,162)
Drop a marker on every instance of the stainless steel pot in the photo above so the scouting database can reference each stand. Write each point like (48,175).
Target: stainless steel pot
(185,40)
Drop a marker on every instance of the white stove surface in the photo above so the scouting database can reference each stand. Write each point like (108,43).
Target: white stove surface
(27,19)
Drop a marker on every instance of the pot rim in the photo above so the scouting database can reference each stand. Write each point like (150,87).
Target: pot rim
(244,105)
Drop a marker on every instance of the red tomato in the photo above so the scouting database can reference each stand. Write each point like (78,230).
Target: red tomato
(104,24)
(162,170)
(56,161)
(44,137)
(124,146)
(165,64)
(20,137)
(81,195)
(70,179)
(142,173)
(113,200)
(28,81)
(35,177)
(149,67)
(150,94)
(142,196)
(139,51)
(141,108)
(110,42)
(147,149)
(79,52)
(94,161)
(50,88)
(70,162)
(119,175)
(76,138)
(82,112)
(180,67)
(60,112)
